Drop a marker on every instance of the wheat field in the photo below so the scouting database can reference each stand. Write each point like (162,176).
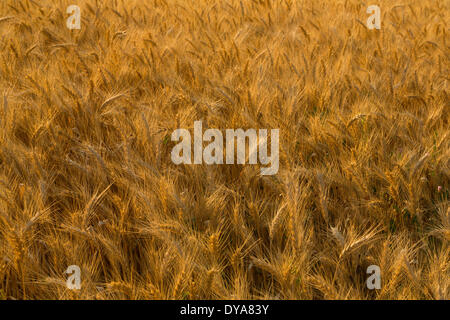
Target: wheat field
(86,177)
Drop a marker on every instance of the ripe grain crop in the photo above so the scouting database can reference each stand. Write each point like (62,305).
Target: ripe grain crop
(86,177)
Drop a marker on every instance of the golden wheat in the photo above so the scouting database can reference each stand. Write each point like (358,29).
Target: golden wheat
(86,177)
